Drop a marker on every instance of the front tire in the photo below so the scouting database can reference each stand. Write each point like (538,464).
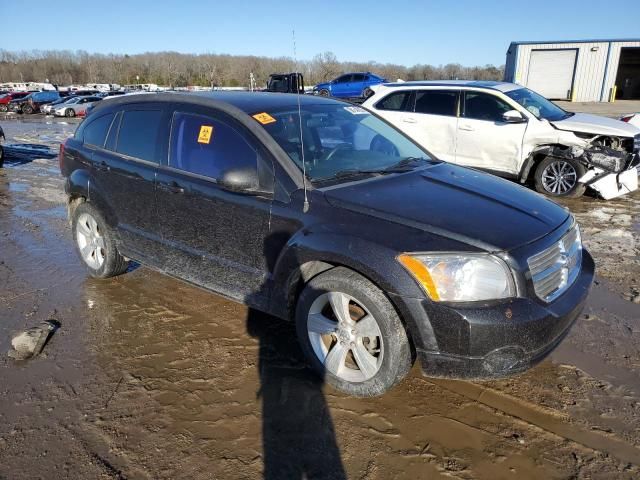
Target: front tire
(1,156)
(28,109)
(351,334)
(95,243)
(324,92)
(69,112)
(558,177)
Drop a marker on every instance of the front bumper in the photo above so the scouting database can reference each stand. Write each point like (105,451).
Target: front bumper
(494,340)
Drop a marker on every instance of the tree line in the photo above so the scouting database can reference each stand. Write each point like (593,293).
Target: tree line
(64,67)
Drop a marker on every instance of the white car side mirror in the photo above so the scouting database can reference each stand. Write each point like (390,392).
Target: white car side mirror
(513,116)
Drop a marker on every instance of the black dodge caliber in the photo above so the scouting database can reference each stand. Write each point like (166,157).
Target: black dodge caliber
(318,211)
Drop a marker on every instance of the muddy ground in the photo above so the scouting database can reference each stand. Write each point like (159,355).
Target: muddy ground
(149,377)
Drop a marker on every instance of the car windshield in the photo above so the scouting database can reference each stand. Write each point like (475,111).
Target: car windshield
(340,141)
(538,105)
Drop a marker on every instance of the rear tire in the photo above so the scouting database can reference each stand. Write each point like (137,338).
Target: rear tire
(28,109)
(367,93)
(1,156)
(69,112)
(3,107)
(95,243)
(558,177)
(351,334)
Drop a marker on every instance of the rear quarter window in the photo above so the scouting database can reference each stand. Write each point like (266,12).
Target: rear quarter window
(138,134)
(95,132)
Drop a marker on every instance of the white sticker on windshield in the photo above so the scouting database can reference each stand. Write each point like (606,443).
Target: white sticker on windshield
(356,110)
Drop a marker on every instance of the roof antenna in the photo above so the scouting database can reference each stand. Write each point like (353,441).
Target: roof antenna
(305,206)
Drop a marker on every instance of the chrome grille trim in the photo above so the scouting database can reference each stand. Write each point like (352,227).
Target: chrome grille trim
(555,269)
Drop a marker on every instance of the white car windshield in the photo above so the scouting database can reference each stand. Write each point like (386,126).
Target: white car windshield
(340,141)
(538,105)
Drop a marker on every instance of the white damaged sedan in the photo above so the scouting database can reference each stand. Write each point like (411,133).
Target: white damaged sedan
(513,132)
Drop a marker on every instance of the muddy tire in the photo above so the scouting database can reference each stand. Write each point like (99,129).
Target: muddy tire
(558,177)
(95,243)
(324,93)
(28,109)
(351,334)
(69,112)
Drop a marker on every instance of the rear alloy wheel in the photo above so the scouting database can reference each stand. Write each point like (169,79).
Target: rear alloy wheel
(3,107)
(559,177)
(28,109)
(69,112)
(367,93)
(95,243)
(351,334)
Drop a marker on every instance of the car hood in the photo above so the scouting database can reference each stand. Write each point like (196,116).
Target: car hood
(459,203)
(586,123)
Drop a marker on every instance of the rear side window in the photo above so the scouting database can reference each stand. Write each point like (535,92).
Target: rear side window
(397,101)
(483,106)
(95,133)
(138,134)
(207,146)
(437,102)
(357,77)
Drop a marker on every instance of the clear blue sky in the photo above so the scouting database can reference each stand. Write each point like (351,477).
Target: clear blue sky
(401,31)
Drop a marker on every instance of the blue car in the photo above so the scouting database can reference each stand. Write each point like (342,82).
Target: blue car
(349,85)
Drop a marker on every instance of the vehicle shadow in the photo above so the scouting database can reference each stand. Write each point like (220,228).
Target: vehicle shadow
(298,436)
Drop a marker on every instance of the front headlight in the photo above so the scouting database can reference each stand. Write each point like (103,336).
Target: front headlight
(460,277)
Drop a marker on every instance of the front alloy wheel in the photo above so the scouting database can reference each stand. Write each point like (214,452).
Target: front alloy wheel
(559,177)
(351,333)
(345,337)
(90,241)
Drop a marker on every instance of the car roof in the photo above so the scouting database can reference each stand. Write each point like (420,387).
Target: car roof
(248,102)
(488,84)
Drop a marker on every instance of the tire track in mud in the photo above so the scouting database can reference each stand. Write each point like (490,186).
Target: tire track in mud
(551,421)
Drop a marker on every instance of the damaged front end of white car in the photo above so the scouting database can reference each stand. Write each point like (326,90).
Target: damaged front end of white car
(609,165)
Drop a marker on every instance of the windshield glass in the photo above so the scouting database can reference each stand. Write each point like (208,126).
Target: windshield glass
(538,105)
(339,140)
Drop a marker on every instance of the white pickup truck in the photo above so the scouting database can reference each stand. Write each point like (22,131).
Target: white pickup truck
(513,132)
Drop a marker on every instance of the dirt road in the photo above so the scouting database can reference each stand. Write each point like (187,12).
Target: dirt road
(149,377)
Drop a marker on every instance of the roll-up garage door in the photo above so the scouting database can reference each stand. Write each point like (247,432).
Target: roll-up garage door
(551,72)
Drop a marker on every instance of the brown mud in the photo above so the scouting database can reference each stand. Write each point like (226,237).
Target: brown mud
(149,377)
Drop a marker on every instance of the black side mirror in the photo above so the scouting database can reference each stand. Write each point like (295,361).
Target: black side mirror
(242,180)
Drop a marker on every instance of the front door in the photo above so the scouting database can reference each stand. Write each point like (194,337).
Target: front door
(212,236)
(484,139)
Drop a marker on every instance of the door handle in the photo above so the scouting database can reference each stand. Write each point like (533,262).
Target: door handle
(467,128)
(103,167)
(409,120)
(172,187)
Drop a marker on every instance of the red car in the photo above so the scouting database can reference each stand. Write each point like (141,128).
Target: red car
(7,97)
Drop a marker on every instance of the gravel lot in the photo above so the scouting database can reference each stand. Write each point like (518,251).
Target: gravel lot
(149,377)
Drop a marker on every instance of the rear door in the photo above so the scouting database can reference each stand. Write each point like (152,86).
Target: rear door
(431,121)
(484,139)
(212,236)
(124,172)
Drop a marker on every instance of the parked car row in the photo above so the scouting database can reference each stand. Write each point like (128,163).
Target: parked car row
(35,102)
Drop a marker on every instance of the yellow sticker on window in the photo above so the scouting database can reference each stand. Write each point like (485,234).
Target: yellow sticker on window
(205,134)
(264,118)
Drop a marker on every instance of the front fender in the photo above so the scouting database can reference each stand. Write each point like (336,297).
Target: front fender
(368,258)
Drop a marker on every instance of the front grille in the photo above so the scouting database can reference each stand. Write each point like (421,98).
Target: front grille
(555,269)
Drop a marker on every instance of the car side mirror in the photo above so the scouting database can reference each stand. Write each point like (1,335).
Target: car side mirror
(513,116)
(242,180)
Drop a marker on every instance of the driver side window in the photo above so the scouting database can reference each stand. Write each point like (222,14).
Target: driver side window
(484,106)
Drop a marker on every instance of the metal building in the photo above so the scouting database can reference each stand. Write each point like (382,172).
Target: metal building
(577,70)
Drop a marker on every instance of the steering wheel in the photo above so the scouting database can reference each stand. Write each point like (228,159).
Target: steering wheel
(335,150)
(384,146)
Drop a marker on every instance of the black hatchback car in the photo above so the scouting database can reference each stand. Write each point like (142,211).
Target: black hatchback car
(316,210)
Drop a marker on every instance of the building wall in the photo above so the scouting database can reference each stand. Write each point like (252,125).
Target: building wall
(594,75)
